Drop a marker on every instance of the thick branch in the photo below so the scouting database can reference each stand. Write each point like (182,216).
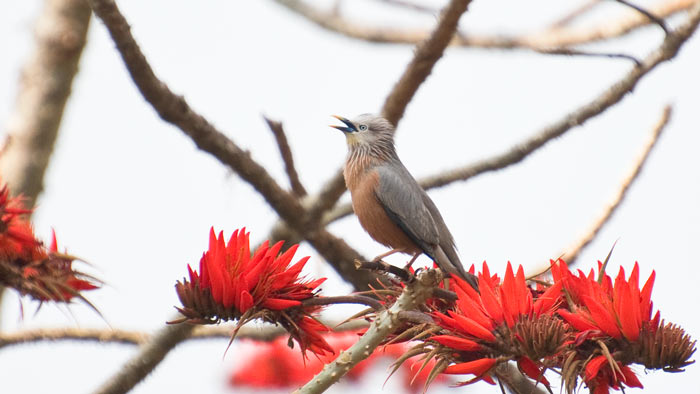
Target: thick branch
(145,361)
(386,323)
(427,53)
(44,87)
(174,109)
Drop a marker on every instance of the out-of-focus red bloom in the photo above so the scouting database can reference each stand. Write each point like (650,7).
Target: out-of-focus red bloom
(28,266)
(275,365)
(233,284)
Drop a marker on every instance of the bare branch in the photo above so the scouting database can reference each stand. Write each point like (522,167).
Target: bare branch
(574,250)
(221,331)
(427,53)
(646,13)
(574,14)
(287,158)
(542,40)
(386,322)
(146,360)
(44,87)
(174,109)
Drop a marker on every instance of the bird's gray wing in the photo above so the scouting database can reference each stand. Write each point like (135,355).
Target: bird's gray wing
(403,201)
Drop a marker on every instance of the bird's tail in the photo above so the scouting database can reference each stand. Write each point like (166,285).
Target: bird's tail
(453,266)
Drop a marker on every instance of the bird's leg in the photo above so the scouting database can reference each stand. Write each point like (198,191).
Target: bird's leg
(389,253)
(413,259)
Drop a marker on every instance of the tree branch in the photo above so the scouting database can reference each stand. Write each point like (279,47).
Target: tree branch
(574,250)
(149,356)
(542,40)
(127,337)
(386,323)
(287,157)
(44,88)
(174,109)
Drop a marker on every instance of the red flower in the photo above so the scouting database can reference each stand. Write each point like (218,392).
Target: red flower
(28,266)
(233,284)
(617,310)
(275,365)
(499,319)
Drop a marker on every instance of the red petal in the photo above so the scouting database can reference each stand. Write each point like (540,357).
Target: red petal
(457,343)
(473,328)
(645,295)
(545,303)
(488,299)
(245,302)
(628,313)
(472,308)
(279,303)
(577,321)
(529,368)
(631,379)
(594,366)
(476,367)
(602,316)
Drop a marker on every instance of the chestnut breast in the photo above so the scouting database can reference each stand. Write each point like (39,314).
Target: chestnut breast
(370,212)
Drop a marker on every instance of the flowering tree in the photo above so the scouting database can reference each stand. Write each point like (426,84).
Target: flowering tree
(557,327)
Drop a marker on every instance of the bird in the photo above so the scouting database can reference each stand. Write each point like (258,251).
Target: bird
(390,205)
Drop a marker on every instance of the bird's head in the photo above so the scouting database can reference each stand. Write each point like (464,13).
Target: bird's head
(366,130)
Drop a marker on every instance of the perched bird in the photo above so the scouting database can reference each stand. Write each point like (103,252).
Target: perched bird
(388,201)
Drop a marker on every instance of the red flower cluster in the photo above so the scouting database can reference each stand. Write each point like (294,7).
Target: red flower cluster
(499,320)
(274,365)
(28,266)
(233,284)
(579,326)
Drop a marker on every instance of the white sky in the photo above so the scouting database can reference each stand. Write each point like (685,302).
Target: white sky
(133,196)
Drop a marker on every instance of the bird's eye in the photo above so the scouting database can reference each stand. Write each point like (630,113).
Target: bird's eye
(363,127)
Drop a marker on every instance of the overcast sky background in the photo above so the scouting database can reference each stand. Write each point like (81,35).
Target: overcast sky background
(133,196)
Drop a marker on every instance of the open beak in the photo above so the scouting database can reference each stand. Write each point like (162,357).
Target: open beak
(349,127)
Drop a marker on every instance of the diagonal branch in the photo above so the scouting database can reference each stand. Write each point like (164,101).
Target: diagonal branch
(384,325)
(149,356)
(287,157)
(174,109)
(574,250)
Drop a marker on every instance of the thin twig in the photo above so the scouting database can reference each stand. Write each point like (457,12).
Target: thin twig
(574,14)
(133,337)
(287,157)
(382,266)
(574,250)
(386,323)
(578,52)
(548,38)
(646,13)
